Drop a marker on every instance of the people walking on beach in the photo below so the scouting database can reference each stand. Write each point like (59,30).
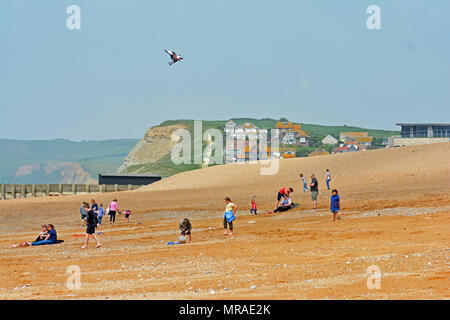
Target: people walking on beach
(253,209)
(100,214)
(229,216)
(335,204)
(328,178)
(113,207)
(83,214)
(314,187)
(281,193)
(186,227)
(92,224)
(94,205)
(304,182)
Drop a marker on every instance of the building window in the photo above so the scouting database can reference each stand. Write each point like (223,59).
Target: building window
(406,132)
(420,132)
(441,132)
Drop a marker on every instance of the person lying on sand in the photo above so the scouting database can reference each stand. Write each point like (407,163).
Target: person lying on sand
(49,238)
(92,224)
(186,227)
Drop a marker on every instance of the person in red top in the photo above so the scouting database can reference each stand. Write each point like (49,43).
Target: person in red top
(281,193)
(253,210)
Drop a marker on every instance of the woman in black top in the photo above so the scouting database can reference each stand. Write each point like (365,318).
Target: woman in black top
(92,223)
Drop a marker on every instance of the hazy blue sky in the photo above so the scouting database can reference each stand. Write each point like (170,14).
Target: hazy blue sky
(310,61)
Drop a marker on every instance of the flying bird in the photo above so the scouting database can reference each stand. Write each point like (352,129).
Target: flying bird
(175,58)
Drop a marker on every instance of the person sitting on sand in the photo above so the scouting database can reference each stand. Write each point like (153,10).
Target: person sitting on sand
(229,216)
(186,227)
(50,237)
(43,233)
(285,205)
(281,194)
(92,223)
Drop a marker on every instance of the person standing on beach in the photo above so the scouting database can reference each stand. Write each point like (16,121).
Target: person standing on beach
(92,224)
(328,178)
(83,213)
(253,209)
(229,216)
(335,204)
(304,182)
(314,187)
(101,213)
(94,205)
(113,207)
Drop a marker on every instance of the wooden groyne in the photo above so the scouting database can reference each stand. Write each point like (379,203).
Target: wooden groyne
(13,191)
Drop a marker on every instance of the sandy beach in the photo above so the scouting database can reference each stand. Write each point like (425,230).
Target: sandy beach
(395,215)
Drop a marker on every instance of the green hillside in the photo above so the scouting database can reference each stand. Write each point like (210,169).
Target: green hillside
(93,156)
(165,167)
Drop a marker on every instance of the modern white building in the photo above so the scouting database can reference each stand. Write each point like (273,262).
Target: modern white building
(421,133)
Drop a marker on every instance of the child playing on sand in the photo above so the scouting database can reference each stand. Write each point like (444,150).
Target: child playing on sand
(335,204)
(254,210)
(185,227)
(127,215)
(304,182)
(229,216)
(101,213)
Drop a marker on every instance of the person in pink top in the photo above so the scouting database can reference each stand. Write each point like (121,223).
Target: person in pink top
(113,207)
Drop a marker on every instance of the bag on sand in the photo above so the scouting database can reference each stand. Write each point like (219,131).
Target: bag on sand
(107,212)
(230,216)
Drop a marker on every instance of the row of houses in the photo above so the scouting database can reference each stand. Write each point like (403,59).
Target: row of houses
(242,141)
